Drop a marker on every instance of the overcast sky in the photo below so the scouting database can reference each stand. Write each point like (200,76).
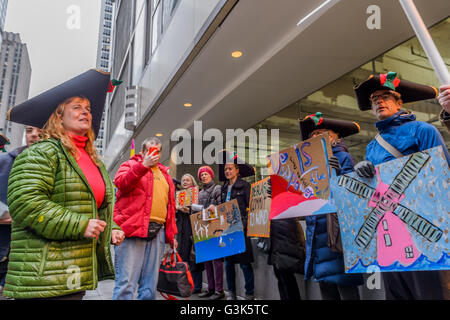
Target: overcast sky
(60,45)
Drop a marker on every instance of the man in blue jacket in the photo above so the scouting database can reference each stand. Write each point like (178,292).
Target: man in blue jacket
(399,135)
(6,163)
(323,262)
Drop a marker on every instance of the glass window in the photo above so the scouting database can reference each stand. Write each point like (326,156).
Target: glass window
(139,41)
(156,26)
(168,9)
(337,99)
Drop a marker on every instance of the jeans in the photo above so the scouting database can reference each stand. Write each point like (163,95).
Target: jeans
(249,278)
(197,277)
(137,264)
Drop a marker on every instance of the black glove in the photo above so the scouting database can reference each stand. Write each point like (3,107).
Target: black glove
(334,163)
(365,169)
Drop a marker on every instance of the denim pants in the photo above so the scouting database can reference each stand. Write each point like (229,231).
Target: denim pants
(249,278)
(137,264)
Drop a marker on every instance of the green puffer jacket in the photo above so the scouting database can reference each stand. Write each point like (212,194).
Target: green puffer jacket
(51,202)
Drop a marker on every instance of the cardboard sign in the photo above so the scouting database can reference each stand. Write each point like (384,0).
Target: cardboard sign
(300,179)
(398,220)
(187,197)
(258,224)
(220,237)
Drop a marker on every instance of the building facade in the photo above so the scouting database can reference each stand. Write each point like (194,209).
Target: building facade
(3,8)
(229,64)
(15,79)
(104,54)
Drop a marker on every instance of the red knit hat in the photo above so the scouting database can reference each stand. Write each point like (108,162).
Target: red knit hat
(205,169)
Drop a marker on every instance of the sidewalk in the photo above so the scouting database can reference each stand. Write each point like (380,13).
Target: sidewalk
(105,291)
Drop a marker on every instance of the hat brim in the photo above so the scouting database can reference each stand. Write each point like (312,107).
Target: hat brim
(342,127)
(92,84)
(245,170)
(410,91)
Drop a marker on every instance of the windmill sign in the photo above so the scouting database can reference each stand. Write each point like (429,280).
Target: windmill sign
(398,220)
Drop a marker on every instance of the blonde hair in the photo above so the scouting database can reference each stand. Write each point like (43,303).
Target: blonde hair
(194,183)
(53,128)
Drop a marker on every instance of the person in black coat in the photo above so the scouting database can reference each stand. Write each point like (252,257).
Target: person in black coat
(287,255)
(232,170)
(185,239)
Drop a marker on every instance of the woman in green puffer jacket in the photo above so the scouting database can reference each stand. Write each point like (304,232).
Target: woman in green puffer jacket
(61,202)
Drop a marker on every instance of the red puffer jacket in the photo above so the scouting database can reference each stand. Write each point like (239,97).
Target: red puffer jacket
(134,199)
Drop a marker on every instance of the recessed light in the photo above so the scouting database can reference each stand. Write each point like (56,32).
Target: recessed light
(159,134)
(187,105)
(236,54)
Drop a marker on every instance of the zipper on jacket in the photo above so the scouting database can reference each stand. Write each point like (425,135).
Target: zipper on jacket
(44,259)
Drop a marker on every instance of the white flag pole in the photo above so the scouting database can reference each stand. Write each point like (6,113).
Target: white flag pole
(425,39)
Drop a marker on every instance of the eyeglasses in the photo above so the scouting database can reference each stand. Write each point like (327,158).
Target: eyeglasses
(384,96)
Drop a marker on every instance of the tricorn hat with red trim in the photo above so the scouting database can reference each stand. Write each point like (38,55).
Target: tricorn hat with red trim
(409,91)
(225,156)
(92,84)
(317,121)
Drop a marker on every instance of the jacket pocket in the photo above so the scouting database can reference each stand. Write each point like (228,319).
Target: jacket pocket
(44,259)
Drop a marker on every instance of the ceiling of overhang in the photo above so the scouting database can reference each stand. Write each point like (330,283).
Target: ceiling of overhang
(278,66)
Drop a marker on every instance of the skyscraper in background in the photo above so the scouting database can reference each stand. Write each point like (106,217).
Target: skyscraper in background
(3,7)
(104,56)
(15,76)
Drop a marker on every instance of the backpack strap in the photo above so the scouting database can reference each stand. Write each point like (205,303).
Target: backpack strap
(388,147)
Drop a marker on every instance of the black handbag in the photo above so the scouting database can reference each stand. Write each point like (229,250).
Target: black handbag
(174,277)
(153,229)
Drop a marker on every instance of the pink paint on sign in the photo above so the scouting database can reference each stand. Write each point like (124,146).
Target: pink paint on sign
(395,242)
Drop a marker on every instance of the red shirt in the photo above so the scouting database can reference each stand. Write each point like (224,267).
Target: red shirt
(90,170)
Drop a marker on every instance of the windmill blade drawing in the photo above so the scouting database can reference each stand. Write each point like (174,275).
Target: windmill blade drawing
(388,201)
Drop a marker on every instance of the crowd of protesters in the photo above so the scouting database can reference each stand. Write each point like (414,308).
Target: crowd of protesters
(65,212)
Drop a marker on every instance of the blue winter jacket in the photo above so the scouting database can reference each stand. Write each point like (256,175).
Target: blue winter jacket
(322,263)
(406,135)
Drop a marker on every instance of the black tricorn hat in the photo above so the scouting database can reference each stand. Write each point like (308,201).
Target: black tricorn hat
(409,91)
(317,121)
(225,156)
(92,84)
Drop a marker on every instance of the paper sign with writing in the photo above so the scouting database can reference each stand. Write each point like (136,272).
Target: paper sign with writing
(300,179)
(398,220)
(187,197)
(220,237)
(258,224)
